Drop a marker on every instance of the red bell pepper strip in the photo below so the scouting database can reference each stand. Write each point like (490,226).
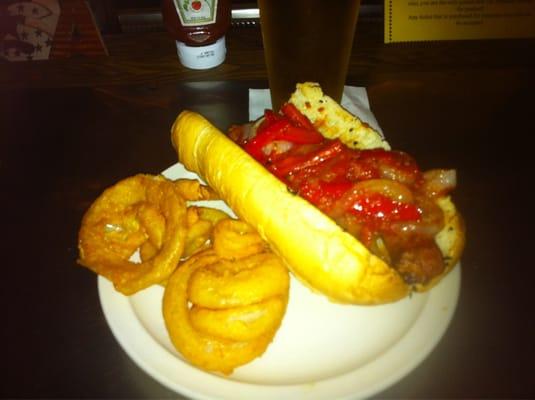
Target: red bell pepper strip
(336,189)
(299,135)
(293,164)
(263,137)
(291,111)
(280,130)
(323,194)
(270,117)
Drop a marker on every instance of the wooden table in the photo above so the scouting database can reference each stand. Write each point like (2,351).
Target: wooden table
(70,128)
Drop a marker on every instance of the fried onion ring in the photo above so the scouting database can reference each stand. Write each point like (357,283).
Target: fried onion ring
(236,239)
(192,189)
(201,222)
(222,313)
(145,213)
(240,282)
(239,323)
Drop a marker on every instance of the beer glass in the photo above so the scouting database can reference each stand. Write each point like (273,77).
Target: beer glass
(307,40)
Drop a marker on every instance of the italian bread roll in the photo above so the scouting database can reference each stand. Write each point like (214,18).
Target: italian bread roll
(316,250)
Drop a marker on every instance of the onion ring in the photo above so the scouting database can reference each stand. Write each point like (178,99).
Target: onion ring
(135,211)
(201,222)
(206,348)
(239,323)
(236,283)
(221,313)
(192,189)
(235,239)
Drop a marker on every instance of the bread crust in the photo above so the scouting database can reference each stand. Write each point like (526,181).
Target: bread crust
(317,251)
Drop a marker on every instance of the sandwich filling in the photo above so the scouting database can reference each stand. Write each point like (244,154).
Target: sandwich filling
(379,196)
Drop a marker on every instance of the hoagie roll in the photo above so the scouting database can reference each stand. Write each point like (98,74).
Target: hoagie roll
(339,243)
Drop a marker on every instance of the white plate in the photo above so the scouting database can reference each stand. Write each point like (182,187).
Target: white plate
(322,350)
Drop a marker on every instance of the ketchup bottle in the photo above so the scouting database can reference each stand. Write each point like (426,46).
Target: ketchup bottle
(198,27)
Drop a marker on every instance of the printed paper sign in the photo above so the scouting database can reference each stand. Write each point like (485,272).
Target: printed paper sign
(421,20)
(27,29)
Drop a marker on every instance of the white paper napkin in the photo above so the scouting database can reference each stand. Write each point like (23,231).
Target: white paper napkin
(354,99)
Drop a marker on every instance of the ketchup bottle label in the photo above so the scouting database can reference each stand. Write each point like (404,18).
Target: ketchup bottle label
(196,12)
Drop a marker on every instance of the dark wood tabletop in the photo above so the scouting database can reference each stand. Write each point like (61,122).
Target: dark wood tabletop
(72,127)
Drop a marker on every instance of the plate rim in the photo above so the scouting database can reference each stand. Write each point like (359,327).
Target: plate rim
(124,322)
